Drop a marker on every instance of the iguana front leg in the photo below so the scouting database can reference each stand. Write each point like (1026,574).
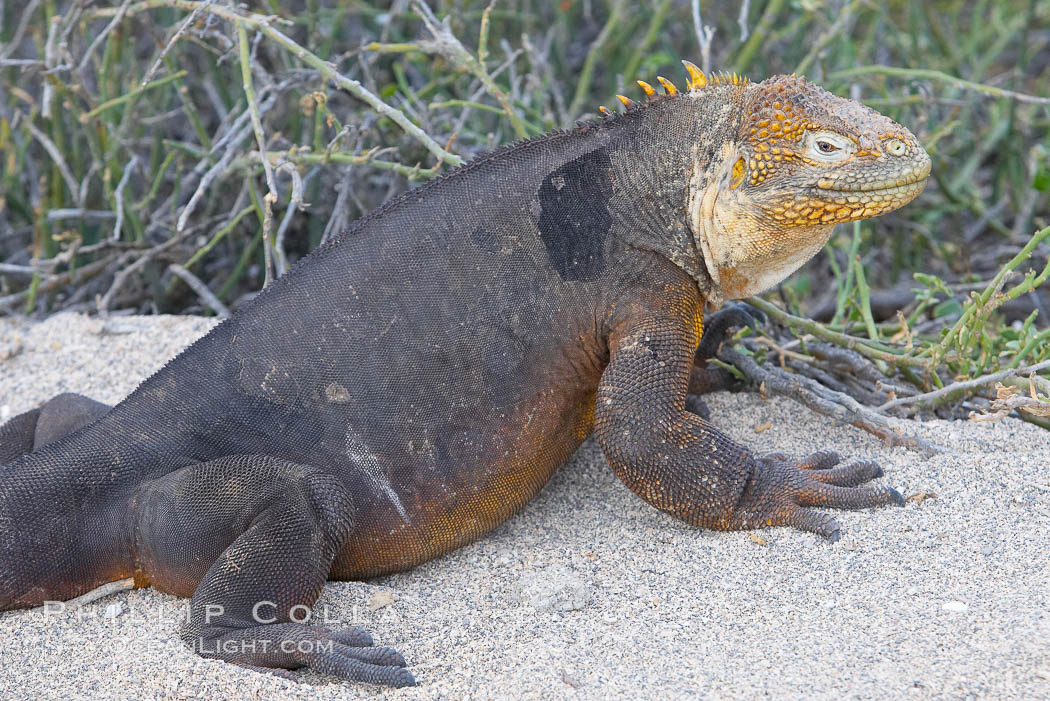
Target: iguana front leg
(683,465)
(253,538)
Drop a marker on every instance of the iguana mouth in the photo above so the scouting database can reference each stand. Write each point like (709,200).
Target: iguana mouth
(905,183)
(901,188)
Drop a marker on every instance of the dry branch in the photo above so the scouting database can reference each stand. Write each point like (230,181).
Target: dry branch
(839,406)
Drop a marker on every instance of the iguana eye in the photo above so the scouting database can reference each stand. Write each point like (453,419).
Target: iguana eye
(828,147)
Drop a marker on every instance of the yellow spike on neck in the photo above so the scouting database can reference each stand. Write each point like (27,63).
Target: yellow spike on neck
(669,87)
(649,90)
(697,79)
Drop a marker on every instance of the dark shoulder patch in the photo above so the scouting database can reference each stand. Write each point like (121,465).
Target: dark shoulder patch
(574,215)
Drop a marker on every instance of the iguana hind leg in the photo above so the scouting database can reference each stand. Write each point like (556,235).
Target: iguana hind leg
(253,538)
(60,416)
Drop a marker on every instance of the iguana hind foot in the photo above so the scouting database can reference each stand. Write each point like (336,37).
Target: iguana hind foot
(706,378)
(287,646)
(255,556)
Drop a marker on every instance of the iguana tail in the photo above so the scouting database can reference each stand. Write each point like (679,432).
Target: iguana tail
(61,523)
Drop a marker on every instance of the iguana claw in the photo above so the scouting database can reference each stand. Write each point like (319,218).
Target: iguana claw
(782,492)
(277,649)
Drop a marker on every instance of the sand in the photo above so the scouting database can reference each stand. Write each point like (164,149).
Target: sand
(590,593)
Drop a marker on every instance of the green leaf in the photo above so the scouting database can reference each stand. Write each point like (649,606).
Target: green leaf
(1041,181)
(950,307)
(655,61)
(933,282)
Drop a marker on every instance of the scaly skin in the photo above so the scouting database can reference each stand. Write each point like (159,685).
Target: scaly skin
(415,381)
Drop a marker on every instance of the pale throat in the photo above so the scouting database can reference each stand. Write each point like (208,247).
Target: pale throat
(744,252)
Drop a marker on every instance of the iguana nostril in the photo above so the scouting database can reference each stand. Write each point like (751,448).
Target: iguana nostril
(895,147)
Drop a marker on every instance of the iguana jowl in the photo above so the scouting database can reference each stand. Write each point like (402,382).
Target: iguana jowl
(414,382)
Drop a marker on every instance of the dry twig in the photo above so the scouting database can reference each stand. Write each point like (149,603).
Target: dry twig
(822,400)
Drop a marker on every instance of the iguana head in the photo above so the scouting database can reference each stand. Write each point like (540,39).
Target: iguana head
(802,161)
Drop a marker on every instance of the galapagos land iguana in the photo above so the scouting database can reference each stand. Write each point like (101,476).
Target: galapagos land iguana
(415,381)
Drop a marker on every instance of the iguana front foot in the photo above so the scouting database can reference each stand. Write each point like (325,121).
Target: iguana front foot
(782,491)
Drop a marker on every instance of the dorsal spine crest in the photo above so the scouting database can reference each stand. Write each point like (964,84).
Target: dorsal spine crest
(696,79)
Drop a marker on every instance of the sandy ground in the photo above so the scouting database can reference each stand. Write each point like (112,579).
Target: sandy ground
(590,593)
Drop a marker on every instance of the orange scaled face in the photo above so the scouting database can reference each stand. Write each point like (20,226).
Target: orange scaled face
(803,161)
(810,158)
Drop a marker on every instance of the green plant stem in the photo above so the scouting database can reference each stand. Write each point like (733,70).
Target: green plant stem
(129,96)
(979,302)
(929,74)
(218,236)
(840,339)
(262,23)
(310,158)
(656,25)
(864,293)
(583,85)
(271,185)
(755,42)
